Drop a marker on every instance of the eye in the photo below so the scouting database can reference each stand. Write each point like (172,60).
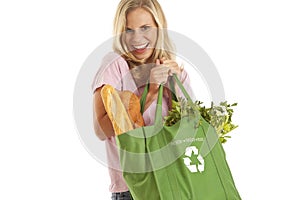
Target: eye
(145,28)
(128,30)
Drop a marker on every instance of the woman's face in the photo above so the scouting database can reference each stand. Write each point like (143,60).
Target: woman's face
(140,33)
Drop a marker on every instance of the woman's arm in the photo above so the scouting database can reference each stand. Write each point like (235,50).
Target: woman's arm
(102,124)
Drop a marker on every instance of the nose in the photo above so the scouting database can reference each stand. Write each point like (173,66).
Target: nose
(137,36)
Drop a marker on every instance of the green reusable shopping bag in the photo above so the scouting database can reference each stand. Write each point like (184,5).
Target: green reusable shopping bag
(180,162)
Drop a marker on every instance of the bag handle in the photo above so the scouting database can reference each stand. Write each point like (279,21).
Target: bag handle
(185,93)
(158,112)
(143,98)
(183,90)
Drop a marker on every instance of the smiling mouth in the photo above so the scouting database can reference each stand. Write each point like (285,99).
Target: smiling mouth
(140,47)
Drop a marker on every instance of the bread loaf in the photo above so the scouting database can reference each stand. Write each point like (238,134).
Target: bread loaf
(133,108)
(123,109)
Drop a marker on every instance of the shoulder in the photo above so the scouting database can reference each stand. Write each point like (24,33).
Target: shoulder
(112,64)
(112,69)
(113,59)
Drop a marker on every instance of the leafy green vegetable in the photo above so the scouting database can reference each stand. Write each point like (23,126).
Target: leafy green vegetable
(219,116)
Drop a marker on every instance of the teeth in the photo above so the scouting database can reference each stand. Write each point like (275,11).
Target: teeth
(140,46)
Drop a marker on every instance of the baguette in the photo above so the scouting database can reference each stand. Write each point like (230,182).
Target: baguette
(123,109)
(133,108)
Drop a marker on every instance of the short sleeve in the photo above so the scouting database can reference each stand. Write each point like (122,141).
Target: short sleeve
(110,72)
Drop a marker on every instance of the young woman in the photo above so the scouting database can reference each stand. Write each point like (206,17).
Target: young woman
(142,53)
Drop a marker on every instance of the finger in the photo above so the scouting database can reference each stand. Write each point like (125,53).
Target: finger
(157,62)
(174,65)
(181,67)
(175,69)
(163,59)
(169,61)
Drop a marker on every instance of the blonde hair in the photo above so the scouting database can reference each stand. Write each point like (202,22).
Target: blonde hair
(164,46)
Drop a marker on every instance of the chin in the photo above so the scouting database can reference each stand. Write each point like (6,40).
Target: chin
(143,56)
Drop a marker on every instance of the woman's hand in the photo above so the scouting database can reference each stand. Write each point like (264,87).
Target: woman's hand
(161,72)
(173,66)
(159,75)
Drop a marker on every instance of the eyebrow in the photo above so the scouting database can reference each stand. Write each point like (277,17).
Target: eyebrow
(139,27)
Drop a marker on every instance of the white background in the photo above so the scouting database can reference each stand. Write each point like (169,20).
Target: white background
(254,44)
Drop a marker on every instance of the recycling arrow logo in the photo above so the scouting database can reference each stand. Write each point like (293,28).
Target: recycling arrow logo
(189,151)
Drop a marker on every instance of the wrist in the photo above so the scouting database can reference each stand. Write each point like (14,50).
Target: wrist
(151,95)
(153,89)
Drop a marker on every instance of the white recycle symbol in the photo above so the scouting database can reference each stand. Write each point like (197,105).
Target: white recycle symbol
(187,161)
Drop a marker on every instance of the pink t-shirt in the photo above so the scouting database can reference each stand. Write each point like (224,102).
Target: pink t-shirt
(114,71)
